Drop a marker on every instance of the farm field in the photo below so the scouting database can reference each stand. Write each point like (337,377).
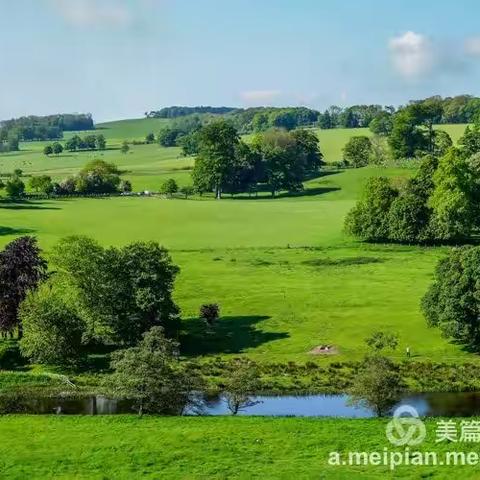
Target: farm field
(196,448)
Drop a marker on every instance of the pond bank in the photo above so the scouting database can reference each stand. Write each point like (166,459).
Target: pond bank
(454,404)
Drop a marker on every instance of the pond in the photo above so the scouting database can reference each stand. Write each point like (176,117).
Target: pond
(427,404)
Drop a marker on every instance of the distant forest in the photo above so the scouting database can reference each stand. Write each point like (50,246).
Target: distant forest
(175,111)
(49,127)
(459,109)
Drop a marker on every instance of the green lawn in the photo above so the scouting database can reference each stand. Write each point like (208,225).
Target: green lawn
(126,447)
(286,276)
(284,273)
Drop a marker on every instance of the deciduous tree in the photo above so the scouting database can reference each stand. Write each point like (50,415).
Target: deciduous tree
(22,268)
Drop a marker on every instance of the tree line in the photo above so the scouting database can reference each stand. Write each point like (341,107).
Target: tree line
(176,111)
(50,127)
(457,109)
(89,142)
(440,203)
(96,177)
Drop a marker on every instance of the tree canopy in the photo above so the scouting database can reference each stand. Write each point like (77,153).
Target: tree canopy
(125,291)
(451,303)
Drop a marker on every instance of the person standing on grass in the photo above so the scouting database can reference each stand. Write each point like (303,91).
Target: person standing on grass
(408,352)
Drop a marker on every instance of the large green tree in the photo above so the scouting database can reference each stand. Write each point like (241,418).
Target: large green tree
(124,291)
(98,176)
(454,209)
(217,144)
(369,219)
(284,163)
(406,138)
(452,303)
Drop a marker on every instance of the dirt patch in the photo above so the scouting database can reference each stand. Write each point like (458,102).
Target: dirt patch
(324,350)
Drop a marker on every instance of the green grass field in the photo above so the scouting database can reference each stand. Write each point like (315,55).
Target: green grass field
(286,276)
(125,447)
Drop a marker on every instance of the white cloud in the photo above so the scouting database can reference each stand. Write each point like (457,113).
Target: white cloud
(413,55)
(472,46)
(92,13)
(259,96)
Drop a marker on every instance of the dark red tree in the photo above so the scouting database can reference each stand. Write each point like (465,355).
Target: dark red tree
(21,269)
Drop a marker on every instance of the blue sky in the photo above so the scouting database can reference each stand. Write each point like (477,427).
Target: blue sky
(120,58)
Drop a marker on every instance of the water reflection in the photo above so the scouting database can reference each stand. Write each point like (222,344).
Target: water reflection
(427,404)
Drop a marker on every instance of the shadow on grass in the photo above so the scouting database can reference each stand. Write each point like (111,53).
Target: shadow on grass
(308,192)
(26,205)
(229,335)
(98,357)
(15,231)
(340,262)
(467,347)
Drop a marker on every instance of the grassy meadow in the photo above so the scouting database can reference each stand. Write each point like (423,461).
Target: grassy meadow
(287,279)
(286,276)
(125,447)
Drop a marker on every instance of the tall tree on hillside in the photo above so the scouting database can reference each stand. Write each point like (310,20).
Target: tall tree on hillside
(453,198)
(427,113)
(217,146)
(309,145)
(382,124)
(406,138)
(21,269)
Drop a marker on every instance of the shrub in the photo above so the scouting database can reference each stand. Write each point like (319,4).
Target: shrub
(357,151)
(210,312)
(169,187)
(15,188)
(153,377)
